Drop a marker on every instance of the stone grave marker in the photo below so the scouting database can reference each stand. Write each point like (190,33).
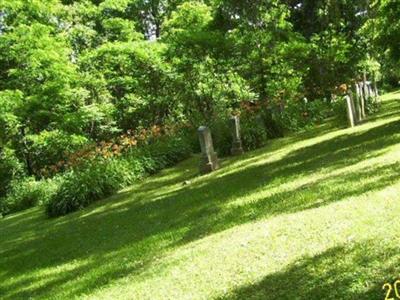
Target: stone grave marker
(359,89)
(209,159)
(350,111)
(237,148)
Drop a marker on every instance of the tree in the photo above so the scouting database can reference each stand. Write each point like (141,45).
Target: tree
(382,30)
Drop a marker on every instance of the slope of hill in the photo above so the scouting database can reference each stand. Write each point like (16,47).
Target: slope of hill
(310,216)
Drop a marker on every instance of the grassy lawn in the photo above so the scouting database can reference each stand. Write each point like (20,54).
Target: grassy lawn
(311,216)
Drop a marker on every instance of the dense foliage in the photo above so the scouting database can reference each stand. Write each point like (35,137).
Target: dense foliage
(78,74)
(100,177)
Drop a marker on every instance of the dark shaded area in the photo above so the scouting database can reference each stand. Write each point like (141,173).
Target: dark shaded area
(194,211)
(334,274)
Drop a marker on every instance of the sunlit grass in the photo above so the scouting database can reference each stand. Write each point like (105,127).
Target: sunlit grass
(310,216)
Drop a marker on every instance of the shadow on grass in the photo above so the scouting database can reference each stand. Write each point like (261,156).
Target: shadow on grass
(391,109)
(357,271)
(160,219)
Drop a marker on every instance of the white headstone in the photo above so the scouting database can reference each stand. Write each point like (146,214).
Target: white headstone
(209,159)
(361,96)
(350,110)
(237,148)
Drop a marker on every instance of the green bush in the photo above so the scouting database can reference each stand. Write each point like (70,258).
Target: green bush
(299,115)
(10,168)
(96,179)
(272,123)
(27,192)
(100,177)
(340,111)
(222,136)
(372,105)
(253,131)
(169,150)
(50,147)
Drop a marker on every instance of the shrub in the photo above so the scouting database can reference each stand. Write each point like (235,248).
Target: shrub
(372,105)
(299,115)
(27,192)
(169,150)
(222,136)
(50,147)
(99,177)
(318,111)
(10,168)
(253,131)
(340,110)
(96,179)
(272,123)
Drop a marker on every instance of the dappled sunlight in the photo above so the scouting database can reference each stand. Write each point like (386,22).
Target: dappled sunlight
(152,188)
(358,271)
(251,251)
(43,279)
(199,150)
(261,217)
(349,133)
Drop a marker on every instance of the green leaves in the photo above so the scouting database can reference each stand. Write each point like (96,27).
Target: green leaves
(189,17)
(10,103)
(94,69)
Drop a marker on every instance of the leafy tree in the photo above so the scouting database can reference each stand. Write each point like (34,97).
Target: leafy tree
(137,79)
(382,30)
(79,72)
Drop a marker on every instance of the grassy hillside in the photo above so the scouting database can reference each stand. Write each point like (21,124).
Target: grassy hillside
(311,216)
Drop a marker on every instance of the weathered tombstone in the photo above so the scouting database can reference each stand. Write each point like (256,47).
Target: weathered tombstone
(353,108)
(237,148)
(358,105)
(350,110)
(209,159)
(362,99)
(366,90)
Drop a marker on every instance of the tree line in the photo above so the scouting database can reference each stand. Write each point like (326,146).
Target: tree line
(78,73)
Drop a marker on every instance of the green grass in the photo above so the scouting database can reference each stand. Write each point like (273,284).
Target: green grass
(311,216)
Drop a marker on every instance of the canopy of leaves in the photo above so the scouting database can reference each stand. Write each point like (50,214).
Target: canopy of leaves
(95,69)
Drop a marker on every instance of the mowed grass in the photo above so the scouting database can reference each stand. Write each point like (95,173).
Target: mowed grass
(315,215)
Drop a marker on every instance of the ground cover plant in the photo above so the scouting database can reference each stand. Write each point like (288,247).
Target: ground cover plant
(310,216)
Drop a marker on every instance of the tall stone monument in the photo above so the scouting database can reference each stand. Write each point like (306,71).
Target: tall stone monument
(359,89)
(350,111)
(357,104)
(237,148)
(209,159)
(354,108)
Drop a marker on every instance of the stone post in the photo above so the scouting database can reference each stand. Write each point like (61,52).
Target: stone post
(209,159)
(237,148)
(365,89)
(350,110)
(362,98)
(357,102)
(354,109)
